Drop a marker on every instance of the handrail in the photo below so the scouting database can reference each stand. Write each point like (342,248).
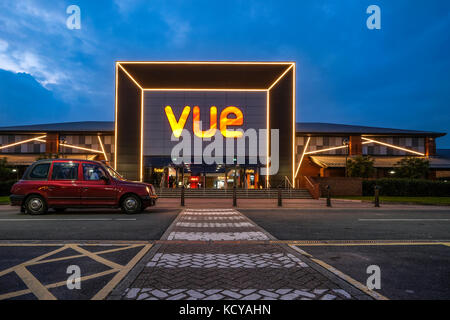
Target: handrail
(313,189)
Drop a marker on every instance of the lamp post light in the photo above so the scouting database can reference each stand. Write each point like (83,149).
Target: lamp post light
(16,172)
(62,140)
(345,142)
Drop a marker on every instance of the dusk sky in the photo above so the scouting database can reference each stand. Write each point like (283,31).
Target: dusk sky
(396,77)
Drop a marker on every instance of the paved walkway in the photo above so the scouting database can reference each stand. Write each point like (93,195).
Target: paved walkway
(198,203)
(209,255)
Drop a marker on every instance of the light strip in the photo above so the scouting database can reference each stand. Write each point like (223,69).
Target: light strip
(80,148)
(129,75)
(115,117)
(392,146)
(303,155)
(21,142)
(103,149)
(208,62)
(268,135)
(294,121)
(141,166)
(74,147)
(196,89)
(280,77)
(328,149)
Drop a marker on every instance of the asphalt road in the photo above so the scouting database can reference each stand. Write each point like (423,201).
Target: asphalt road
(101,224)
(407,271)
(353,224)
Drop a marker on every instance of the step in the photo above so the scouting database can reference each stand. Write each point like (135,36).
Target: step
(240,193)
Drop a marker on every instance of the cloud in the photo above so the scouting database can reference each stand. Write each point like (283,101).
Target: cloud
(179,29)
(25,101)
(27,62)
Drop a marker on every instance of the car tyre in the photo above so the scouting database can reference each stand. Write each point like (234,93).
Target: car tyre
(131,204)
(35,205)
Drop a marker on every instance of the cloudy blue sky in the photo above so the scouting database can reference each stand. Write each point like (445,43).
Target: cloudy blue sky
(394,77)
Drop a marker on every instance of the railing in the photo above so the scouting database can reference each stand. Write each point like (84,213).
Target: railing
(313,188)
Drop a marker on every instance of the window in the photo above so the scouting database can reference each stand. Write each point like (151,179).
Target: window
(65,171)
(40,172)
(93,172)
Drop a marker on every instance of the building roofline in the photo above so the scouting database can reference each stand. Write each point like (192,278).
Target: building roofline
(302,128)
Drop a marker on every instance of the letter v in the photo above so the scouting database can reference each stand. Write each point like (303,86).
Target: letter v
(177,126)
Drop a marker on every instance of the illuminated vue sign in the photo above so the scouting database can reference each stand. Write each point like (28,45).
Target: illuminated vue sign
(167,111)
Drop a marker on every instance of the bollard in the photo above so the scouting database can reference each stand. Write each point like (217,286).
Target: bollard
(377,196)
(280,203)
(328,196)
(182,196)
(234,197)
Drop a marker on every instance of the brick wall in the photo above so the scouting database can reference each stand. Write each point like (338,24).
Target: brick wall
(340,186)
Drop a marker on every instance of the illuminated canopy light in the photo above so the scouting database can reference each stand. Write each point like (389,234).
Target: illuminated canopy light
(392,146)
(22,142)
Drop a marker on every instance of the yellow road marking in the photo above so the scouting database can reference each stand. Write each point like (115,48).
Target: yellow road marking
(122,273)
(55,285)
(343,276)
(364,243)
(95,257)
(91,276)
(82,255)
(39,290)
(32,260)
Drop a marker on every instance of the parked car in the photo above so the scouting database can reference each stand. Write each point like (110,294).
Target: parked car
(65,183)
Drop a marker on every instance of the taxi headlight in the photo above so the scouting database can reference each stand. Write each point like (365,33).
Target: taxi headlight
(148,190)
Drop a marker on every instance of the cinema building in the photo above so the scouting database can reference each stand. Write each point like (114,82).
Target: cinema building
(156,101)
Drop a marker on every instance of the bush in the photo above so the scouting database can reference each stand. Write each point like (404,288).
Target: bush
(5,187)
(412,168)
(360,167)
(407,187)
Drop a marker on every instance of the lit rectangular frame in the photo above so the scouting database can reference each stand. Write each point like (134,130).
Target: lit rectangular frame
(289,65)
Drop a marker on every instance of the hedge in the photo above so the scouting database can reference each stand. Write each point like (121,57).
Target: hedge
(407,187)
(5,187)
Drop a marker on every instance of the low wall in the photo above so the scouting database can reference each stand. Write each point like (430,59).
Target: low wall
(340,186)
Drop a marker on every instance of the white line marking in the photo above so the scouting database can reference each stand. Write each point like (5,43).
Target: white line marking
(49,219)
(403,219)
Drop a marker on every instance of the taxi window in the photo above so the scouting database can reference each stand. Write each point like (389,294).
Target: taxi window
(40,171)
(93,172)
(65,171)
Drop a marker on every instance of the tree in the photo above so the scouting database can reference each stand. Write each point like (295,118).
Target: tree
(360,166)
(6,172)
(412,168)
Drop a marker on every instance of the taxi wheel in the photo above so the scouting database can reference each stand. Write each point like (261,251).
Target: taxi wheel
(35,205)
(131,204)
